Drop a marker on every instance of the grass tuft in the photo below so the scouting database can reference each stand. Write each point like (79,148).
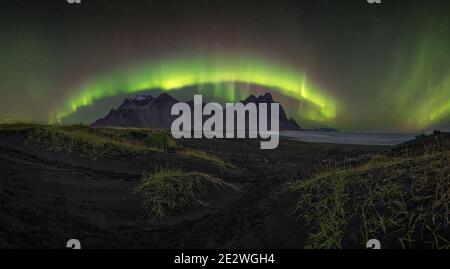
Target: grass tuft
(168,191)
(103,143)
(402,201)
(193,153)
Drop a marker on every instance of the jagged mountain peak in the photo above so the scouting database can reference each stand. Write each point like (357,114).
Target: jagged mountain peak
(138,100)
(266,99)
(144,111)
(165,98)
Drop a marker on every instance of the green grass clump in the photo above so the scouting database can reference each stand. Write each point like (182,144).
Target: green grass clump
(168,191)
(402,201)
(77,139)
(193,153)
(161,140)
(87,142)
(104,143)
(325,214)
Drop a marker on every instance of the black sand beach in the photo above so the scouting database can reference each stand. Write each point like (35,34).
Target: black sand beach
(49,197)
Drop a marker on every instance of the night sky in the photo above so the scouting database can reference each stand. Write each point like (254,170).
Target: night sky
(345,64)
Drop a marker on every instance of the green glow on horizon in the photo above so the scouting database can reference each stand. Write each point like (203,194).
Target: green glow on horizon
(196,71)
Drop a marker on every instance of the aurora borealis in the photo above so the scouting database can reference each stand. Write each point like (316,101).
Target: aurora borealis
(178,73)
(342,64)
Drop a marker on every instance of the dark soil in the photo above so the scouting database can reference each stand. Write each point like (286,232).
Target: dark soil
(48,198)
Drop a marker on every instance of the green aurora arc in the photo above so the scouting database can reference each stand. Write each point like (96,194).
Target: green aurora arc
(182,72)
(417,90)
(338,64)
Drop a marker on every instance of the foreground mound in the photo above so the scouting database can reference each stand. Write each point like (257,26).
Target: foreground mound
(108,143)
(170,192)
(403,201)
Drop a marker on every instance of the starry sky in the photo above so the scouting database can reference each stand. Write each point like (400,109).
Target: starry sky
(345,64)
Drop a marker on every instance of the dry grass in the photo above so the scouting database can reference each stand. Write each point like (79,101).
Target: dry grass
(402,200)
(167,191)
(103,143)
(78,139)
(193,153)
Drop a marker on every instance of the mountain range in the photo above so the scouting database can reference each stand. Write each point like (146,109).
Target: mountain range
(146,111)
